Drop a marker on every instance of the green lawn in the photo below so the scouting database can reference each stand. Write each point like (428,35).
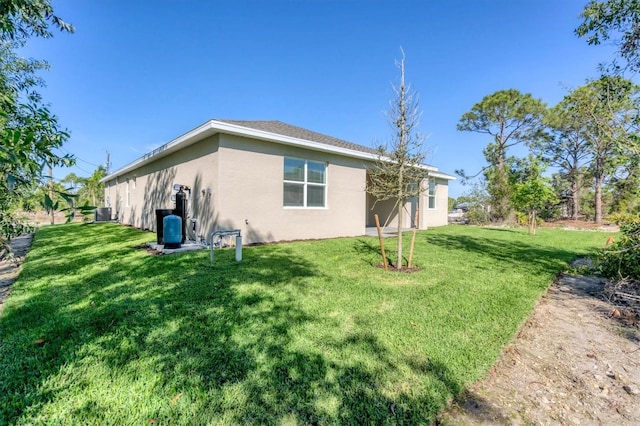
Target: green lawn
(98,331)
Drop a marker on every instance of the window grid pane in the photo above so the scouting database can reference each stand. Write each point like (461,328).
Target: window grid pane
(432,193)
(315,172)
(315,196)
(432,202)
(293,194)
(304,183)
(294,169)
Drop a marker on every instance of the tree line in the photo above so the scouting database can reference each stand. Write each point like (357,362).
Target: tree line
(590,139)
(70,192)
(30,134)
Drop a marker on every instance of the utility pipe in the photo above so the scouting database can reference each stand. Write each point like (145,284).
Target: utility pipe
(235,232)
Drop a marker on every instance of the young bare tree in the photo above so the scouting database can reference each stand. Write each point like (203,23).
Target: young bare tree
(400,170)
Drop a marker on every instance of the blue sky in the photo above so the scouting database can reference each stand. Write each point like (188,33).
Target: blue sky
(137,74)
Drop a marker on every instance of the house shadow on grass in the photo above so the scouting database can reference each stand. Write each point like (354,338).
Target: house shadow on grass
(518,253)
(174,339)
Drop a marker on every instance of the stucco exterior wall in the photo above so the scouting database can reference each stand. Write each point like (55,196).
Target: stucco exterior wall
(387,210)
(150,187)
(251,193)
(437,216)
(237,183)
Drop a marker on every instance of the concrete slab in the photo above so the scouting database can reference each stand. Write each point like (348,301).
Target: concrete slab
(187,246)
(386,232)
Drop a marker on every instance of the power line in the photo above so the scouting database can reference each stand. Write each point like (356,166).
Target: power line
(78,158)
(85,161)
(81,169)
(89,173)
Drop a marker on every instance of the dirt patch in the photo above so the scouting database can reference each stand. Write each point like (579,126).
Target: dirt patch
(149,249)
(404,269)
(10,266)
(624,296)
(582,225)
(571,363)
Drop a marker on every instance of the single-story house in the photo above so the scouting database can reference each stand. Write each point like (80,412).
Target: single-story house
(271,180)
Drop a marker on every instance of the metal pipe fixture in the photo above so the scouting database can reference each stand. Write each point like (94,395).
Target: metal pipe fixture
(235,232)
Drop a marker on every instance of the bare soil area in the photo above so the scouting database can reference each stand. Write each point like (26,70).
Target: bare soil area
(10,267)
(581,225)
(573,362)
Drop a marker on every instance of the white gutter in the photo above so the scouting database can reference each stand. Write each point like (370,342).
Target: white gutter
(213,127)
(441,175)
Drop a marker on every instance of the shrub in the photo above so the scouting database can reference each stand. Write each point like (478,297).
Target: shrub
(523,219)
(623,218)
(477,216)
(622,258)
(550,212)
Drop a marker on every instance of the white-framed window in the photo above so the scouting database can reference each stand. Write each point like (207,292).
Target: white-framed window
(305,183)
(432,193)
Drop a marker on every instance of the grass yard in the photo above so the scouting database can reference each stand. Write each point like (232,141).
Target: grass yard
(97,331)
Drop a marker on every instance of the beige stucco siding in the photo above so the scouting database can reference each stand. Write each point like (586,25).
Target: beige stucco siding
(437,216)
(150,186)
(238,183)
(251,193)
(388,215)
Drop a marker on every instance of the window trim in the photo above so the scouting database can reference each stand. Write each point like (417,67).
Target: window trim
(305,184)
(430,195)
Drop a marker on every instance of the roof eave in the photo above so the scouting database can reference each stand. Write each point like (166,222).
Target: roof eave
(199,133)
(440,175)
(237,130)
(213,127)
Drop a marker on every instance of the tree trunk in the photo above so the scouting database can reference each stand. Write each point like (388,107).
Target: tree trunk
(400,207)
(575,177)
(499,192)
(53,212)
(501,148)
(382,252)
(575,200)
(532,222)
(598,199)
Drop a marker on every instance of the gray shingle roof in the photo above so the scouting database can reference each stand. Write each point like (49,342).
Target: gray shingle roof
(280,128)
